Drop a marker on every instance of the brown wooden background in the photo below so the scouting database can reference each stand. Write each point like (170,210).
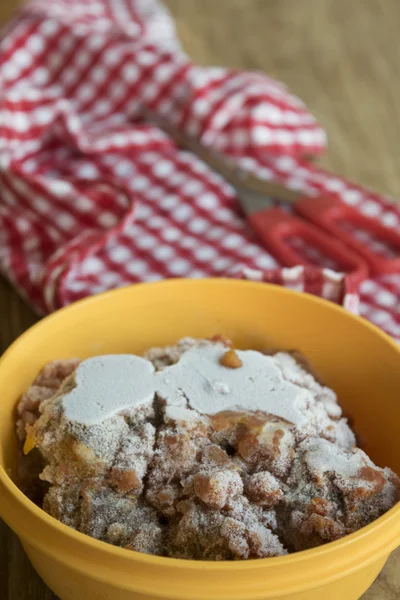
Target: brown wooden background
(342,58)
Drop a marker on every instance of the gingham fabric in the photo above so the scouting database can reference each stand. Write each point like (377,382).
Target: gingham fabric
(92,197)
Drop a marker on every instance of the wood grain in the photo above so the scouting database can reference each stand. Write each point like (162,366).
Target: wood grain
(342,59)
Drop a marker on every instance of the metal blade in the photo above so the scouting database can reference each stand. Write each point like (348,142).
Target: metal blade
(235,175)
(253,202)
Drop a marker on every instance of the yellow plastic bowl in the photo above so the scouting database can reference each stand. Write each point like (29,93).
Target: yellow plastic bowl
(355,358)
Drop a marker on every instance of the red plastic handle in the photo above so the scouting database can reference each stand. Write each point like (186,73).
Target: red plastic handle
(276,228)
(331,214)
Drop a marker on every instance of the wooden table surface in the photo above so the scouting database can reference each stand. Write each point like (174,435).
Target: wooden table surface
(342,58)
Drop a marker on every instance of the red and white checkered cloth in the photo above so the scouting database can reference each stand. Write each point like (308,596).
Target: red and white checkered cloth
(92,197)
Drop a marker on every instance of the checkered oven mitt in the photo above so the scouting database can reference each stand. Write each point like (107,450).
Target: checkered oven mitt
(92,197)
